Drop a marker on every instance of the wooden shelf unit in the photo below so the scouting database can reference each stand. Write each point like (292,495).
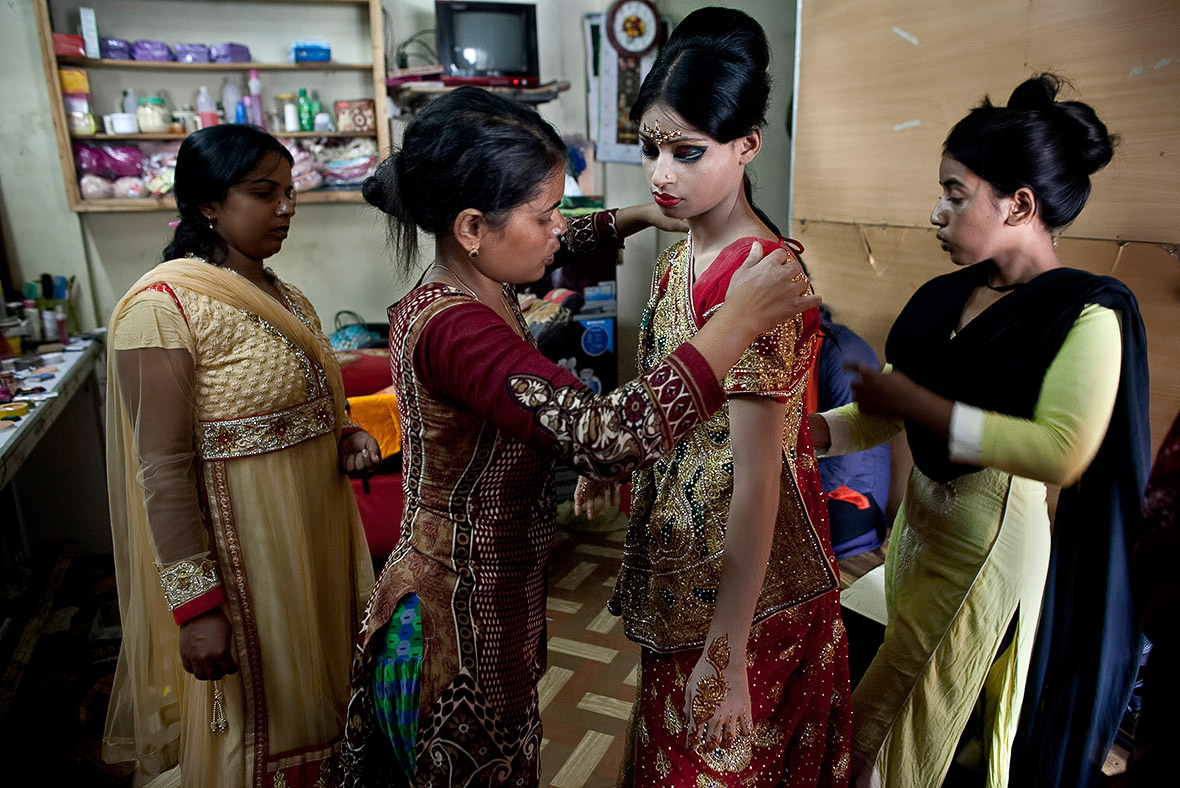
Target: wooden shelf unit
(73,61)
(167,203)
(52,62)
(169,136)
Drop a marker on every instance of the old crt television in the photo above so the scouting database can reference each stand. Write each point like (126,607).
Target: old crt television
(487,43)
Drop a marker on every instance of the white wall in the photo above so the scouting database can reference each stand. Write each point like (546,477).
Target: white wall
(41,233)
(336,253)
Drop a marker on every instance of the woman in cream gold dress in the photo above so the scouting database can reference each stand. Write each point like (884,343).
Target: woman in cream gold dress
(241,564)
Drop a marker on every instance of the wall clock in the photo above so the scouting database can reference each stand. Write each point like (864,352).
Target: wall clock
(633,26)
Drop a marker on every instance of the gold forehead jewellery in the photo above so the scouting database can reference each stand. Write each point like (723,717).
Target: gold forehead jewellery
(658,135)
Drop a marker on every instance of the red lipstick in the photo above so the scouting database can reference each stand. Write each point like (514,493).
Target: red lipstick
(666,200)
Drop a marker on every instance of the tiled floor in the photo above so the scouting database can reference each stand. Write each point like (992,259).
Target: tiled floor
(586,693)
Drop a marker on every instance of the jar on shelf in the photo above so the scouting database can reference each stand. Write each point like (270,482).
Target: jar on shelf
(153,116)
(289,111)
(187,118)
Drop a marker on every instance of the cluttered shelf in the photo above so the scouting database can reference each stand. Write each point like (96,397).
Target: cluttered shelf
(124,160)
(167,203)
(411,95)
(154,65)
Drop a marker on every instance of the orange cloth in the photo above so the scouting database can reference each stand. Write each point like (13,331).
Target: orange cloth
(377,414)
(849,495)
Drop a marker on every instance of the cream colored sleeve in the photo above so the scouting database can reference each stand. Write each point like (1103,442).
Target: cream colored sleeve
(853,431)
(154,361)
(152,319)
(1071,415)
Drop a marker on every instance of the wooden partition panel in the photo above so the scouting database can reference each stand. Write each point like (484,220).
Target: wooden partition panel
(881,83)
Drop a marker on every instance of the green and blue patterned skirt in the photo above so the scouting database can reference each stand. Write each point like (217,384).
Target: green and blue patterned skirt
(397,679)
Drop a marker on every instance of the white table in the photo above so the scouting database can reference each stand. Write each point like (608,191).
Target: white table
(62,481)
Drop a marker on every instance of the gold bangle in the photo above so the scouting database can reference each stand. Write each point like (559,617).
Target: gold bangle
(184,581)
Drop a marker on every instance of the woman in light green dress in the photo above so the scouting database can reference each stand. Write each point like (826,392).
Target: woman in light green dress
(1008,374)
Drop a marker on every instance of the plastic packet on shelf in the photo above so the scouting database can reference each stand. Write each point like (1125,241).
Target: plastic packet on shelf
(305,174)
(156,51)
(344,162)
(129,187)
(95,187)
(159,166)
(108,161)
(192,53)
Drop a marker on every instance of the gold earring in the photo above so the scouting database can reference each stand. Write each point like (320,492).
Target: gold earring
(474,253)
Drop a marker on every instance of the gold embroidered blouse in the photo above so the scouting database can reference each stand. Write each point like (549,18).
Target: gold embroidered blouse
(668,584)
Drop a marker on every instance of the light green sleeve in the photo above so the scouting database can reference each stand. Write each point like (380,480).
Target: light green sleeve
(1072,412)
(853,431)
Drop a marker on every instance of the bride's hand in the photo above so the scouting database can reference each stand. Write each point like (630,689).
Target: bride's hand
(717,701)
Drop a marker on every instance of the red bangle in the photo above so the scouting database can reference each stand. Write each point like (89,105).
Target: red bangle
(202,604)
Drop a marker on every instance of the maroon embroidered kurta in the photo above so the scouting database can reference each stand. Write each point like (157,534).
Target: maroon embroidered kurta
(484,415)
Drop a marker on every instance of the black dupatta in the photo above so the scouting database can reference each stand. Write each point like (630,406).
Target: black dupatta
(1088,642)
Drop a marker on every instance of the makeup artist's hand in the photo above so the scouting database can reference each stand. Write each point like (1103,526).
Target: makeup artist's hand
(206,646)
(359,453)
(634,218)
(592,497)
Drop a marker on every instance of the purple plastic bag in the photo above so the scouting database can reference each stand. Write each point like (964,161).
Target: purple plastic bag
(114,48)
(229,53)
(156,51)
(124,160)
(109,161)
(192,53)
(89,159)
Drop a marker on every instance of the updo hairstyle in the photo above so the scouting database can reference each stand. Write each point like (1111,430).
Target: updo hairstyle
(713,73)
(1050,147)
(466,149)
(209,162)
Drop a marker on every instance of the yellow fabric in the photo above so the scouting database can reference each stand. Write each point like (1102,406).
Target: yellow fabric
(305,571)
(152,319)
(377,415)
(865,430)
(965,558)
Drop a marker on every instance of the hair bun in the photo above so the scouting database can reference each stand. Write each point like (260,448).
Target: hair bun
(1039,92)
(373,188)
(1092,144)
(1084,135)
(728,33)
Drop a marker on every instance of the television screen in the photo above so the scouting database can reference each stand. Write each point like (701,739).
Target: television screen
(487,43)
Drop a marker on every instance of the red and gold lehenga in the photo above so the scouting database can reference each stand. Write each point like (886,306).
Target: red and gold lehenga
(484,415)
(667,589)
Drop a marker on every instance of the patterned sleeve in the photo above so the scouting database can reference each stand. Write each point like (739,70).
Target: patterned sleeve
(768,367)
(469,355)
(589,238)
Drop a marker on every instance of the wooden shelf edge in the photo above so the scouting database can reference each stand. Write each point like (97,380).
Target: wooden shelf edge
(162,204)
(170,137)
(170,65)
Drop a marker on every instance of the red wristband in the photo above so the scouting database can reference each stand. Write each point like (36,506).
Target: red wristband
(202,604)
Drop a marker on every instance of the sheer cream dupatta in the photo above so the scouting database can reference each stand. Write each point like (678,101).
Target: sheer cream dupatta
(144,720)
